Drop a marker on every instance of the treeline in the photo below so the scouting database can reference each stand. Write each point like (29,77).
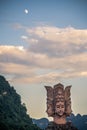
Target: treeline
(13,114)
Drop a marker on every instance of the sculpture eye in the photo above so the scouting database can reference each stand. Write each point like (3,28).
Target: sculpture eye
(58,106)
(62,106)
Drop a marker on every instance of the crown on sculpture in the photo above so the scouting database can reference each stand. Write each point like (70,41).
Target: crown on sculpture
(58,94)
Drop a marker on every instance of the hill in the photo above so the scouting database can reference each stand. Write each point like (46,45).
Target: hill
(13,114)
(79,121)
(41,123)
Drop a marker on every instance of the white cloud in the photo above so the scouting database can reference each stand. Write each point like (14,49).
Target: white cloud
(51,78)
(62,35)
(58,52)
(17,26)
(57,42)
(24,37)
(29,40)
(25,66)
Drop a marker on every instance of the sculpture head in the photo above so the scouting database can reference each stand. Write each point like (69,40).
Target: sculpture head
(58,100)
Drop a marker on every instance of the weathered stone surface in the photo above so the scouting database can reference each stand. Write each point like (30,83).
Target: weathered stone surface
(59,107)
(58,94)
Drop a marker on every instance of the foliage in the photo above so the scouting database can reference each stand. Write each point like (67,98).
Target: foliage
(13,114)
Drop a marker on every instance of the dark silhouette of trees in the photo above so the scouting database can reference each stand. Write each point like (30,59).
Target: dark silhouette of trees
(13,114)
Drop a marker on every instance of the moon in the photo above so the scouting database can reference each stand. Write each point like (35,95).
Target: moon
(26,11)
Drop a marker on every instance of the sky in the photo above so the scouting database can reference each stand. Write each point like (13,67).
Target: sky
(44,42)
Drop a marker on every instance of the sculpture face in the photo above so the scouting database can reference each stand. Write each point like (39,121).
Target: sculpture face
(60,108)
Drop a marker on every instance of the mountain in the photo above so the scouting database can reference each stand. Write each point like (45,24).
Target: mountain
(42,123)
(78,121)
(13,114)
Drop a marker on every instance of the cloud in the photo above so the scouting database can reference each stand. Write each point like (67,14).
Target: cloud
(58,42)
(26,66)
(62,35)
(50,77)
(53,54)
(17,26)
(24,37)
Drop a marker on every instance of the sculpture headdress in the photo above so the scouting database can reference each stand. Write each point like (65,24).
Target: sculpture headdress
(58,94)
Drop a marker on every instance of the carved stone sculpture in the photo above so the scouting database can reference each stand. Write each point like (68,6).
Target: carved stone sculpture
(58,105)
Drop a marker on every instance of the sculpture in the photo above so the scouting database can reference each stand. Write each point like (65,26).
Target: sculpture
(59,106)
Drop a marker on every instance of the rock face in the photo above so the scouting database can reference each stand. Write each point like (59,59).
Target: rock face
(13,114)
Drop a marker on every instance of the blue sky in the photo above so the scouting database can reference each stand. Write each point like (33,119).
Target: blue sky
(44,42)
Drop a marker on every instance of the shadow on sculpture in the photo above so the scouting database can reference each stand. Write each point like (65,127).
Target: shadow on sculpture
(59,107)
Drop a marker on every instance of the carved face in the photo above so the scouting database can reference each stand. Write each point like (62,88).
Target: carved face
(49,110)
(60,108)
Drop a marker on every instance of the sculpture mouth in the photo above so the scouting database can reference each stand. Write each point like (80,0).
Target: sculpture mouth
(59,114)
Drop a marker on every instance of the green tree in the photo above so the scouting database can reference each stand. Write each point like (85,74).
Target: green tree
(13,114)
